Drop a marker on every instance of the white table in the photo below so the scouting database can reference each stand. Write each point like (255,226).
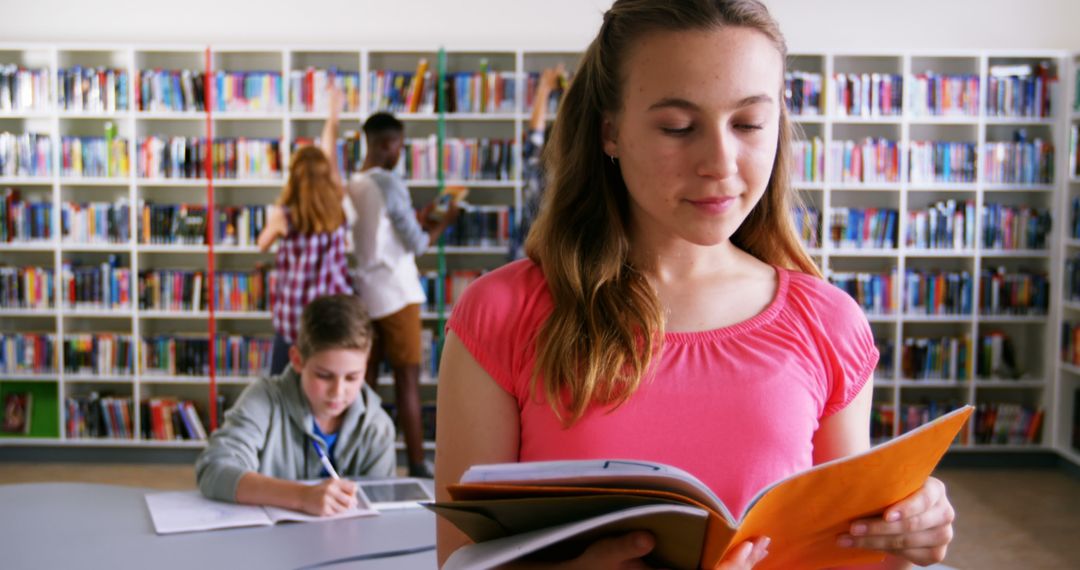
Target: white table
(81,526)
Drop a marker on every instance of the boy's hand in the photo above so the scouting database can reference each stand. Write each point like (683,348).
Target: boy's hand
(330,497)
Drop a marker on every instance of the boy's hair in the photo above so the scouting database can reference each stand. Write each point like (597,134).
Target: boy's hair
(380,125)
(334,321)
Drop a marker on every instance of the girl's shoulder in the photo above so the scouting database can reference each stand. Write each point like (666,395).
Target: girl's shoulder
(510,297)
(813,296)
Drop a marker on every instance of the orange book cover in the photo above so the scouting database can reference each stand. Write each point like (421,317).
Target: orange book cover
(516,509)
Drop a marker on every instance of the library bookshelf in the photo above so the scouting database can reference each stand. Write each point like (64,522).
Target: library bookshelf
(1040,380)
(1066,398)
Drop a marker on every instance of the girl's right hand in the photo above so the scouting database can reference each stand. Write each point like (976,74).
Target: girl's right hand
(330,497)
(746,555)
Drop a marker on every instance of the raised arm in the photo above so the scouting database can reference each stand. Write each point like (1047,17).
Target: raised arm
(549,81)
(328,140)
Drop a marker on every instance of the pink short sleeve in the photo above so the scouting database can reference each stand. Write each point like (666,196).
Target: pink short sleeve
(496,319)
(853,355)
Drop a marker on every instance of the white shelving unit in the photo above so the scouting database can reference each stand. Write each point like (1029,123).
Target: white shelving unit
(1048,383)
(1067,382)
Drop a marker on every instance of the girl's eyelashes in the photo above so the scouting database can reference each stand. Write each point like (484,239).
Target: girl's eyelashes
(749,127)
(677,131)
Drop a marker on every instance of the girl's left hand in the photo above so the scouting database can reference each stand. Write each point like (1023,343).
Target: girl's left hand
(918,529)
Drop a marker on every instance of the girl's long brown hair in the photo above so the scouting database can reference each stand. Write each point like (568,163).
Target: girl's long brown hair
(607,323)
(310,194)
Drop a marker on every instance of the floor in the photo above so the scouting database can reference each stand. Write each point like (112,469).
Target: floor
(1007,518)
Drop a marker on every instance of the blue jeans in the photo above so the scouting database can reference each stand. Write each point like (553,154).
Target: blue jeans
(279,355)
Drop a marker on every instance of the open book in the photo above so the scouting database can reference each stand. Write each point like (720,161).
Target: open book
(190,511)
(553,510)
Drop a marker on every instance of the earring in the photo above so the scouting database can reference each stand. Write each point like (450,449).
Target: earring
(612,157)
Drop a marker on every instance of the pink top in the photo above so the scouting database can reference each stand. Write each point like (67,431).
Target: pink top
(737,407)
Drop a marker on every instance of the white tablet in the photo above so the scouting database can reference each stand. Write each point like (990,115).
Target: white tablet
(388,494)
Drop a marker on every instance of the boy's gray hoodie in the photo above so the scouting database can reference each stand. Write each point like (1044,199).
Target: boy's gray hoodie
(269,431)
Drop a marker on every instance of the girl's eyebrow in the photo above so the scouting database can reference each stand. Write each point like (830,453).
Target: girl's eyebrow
(679,103)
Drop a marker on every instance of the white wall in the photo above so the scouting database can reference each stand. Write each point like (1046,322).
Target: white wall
(809,24)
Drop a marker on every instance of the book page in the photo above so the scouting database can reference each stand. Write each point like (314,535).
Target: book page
(804,514)
(631,474)
(679,531)
(189,511)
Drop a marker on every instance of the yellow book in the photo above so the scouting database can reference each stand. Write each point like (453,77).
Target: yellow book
(516,509)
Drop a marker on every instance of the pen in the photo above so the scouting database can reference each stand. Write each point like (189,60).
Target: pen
(325,460)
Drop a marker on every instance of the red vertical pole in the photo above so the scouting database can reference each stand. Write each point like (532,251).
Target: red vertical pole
(211,227)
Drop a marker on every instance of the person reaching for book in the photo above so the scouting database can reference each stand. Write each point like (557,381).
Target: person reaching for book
(532,172)
(667,310)
(318,419)
(387,236)
(310,229)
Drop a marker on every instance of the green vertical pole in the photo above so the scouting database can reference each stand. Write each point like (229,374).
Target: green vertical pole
(440,290)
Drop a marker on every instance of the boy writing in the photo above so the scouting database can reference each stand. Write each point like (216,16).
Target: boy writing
(280,426)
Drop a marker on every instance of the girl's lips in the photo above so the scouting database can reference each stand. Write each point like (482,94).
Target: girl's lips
(714,205)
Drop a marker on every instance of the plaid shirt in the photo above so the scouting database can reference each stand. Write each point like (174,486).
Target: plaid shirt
(308,267)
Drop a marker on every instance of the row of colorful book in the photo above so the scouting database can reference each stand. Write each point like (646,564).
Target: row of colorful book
(187,224)
(484,91)
(808,225)
(808,160)
(84,354)
(308,90)
(99,286)
(802,92)
(1070,342)
(235,355)
(175,90)
(481,226)
(453,284)
(937,292)
(187,290)
(869,160)
(858,228)
(866,94)
(230,157)
(92,89)
(462,159)
(1022,293)
(98,416)
(910,416)
(943,358)
(937,161)
(948,224)
(1072,279)
(24,220)
(875,292)
(1021,90)
(27,353)
(1015,227)
(94,156)
(171,419)
(23,89)
(27,154)
(1007,423)
(248,91)
(937,95)
(26,287)
(1018,162)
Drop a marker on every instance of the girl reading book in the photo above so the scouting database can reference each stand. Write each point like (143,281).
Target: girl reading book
(667,310)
